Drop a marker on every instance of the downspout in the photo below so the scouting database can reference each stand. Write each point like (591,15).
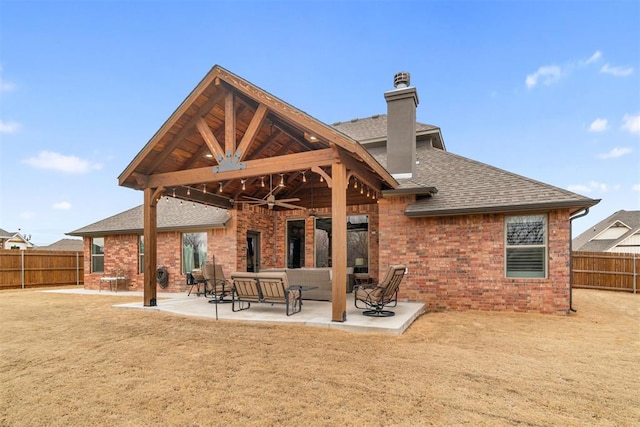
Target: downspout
(580,215)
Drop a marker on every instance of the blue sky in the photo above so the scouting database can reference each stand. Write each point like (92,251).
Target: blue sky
(545,89)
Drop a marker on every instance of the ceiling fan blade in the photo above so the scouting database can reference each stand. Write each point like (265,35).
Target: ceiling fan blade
(295,199)
(254,199)
(288,205)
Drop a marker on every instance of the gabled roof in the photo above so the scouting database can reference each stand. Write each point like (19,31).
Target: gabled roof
(228,134)
(173,215)
(74,245)
(5,234)
(588,241)
(374,129)
(466,186)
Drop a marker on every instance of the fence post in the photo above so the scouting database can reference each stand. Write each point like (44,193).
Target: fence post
(635,275)
(22,268)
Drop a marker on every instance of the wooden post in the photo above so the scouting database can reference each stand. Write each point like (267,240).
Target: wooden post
(339,243)
(150,247)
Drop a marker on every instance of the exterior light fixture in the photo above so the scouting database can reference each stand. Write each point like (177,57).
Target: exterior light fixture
(220,190)
(204,188)
(281,180)
(262,183)
(304,177)
(244,187)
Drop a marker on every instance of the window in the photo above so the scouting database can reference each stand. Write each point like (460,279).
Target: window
(194,251)
(357,242)
(141,255)
(526,246)
(97,255)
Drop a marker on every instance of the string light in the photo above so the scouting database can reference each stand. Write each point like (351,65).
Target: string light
(262,184)
(281,180)
(355,183)
(220,190)
(188,191)
(361,189)
(304,177)
(174,192)
(204,188)
(243,185)
(367,192)
(321,178)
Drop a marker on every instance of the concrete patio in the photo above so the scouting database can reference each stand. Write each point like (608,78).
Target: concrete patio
(314,313)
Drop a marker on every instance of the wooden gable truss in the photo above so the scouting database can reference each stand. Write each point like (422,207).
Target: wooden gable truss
(226,139)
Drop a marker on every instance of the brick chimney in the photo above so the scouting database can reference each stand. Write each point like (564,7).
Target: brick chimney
(401,127)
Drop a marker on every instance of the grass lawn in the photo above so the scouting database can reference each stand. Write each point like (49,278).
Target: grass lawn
(72,360)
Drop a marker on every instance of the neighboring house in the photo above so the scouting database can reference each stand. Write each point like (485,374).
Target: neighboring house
(14,240)
(70,245)
(471,235)
(619,232)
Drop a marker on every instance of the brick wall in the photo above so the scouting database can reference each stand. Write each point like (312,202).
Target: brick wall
(454,263)
(458,262)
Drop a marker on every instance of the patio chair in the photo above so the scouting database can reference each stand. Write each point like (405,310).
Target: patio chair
(244,291)
(385,294)
(275,289)
(196,278)
(215,283)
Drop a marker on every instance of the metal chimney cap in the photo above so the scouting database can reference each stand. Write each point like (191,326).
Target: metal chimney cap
(401,79)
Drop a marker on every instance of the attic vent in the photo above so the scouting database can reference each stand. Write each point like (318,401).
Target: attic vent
(401,80)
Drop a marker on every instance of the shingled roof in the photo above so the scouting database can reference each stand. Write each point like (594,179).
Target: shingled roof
(172,215)
(465,186)
(374,129)
(589,241)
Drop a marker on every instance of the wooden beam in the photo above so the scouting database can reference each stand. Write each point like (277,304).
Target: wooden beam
(252,130)
(210,139)
(150,246)
(185,131)
(339,242)
(363,174)
(265,166)
(323,174)
(229,124)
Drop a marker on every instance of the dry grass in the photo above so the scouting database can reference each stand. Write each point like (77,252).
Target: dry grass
(73,360)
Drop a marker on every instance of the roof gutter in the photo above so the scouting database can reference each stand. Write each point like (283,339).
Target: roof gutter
(571,218)
(501,209)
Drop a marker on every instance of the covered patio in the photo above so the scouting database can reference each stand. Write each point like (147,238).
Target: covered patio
(231,145)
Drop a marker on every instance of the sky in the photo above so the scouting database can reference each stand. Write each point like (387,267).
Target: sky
(545,89)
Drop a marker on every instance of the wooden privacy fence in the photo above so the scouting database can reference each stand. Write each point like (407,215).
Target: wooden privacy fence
(37,268)
(606,270)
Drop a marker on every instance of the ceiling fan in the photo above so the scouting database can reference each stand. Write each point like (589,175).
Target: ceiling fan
(271,201)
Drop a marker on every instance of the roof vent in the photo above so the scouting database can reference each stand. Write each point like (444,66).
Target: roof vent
(401,80)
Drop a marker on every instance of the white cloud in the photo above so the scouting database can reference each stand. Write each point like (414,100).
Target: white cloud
(59,162)
(631,123)
(63,206)
(589,188)
(598,125)
(9,127)
(547,75)
(635,187)
(596,56)
(616,152)
(616,71)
